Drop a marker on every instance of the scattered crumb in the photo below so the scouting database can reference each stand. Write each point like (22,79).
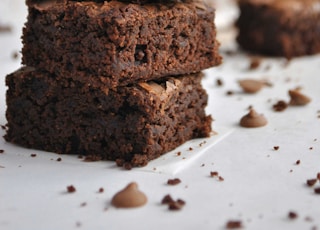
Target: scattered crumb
(15,55)
(1,151)
(190,149)
(292,215)
(308,219)
(83,204)
(318,176)
(280,106)
(221,178)
(219,82)
(276,147)
(5,28)
(174,181)
(101,190)
(311,182)
(33,155)
(3,127)
(298,162)
(214,174)
(229,92)
(254,63)
(59,159)
(172,204)
(202,165)
(317,190)
(310,148)
(78,224)
(178,153)
(71,189)
(233,224)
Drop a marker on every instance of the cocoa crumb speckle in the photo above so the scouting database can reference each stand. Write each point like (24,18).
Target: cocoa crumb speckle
(190,148)
(202,165)
(234,224)
(1,151)
(214,174)
(173,204)
(280,106)
(174,181)
(101,190)
(71,189)
(59,159)
(318,175)
(276,147)
(83,204)
(254,63)
(219,82)
(229,92)
(311,182)
(298,162)
(292,215)
(178,153)
(33,155)
(317,190)
(221,178)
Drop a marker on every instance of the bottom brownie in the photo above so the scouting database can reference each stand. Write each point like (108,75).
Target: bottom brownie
(131,124)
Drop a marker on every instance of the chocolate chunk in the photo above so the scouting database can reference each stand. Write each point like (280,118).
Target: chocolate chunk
(297,98)
(253,120)
(129,197)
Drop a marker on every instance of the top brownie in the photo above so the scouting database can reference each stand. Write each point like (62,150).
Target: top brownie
(119,43)
(286,28)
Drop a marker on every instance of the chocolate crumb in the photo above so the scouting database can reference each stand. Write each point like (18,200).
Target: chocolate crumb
(3,127)
(1,151)
(83,204)
(174,181)
(71,189)
(276,147)
(317,190)
(318,176)
(229,92)
(310,148)
(311,182)
(15,55)
(233,224)
(219,82)
(298,162)
(176,205)
(202,165)
(190,149)
(101,190)
(292,215)
(308,219)
(5,28)
(280,106)
(214,174)
(59,159)
(127,166)
(221,178)
(167,199)
(33,155)
(178,153)
(254,63)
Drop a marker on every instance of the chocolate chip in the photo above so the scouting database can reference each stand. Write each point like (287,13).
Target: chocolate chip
(297,98)
(129,197)
(251,85)
(253,120)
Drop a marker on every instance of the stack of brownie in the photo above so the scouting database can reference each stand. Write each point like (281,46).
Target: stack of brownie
(114,80)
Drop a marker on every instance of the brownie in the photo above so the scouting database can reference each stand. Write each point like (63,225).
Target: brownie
(119,43)
(286,28)
(134,123)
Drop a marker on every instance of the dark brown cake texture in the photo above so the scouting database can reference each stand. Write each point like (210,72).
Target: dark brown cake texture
(134,123)
(119,43)
(286,28)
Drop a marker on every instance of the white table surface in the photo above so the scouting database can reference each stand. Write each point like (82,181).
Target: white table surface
(261,185)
